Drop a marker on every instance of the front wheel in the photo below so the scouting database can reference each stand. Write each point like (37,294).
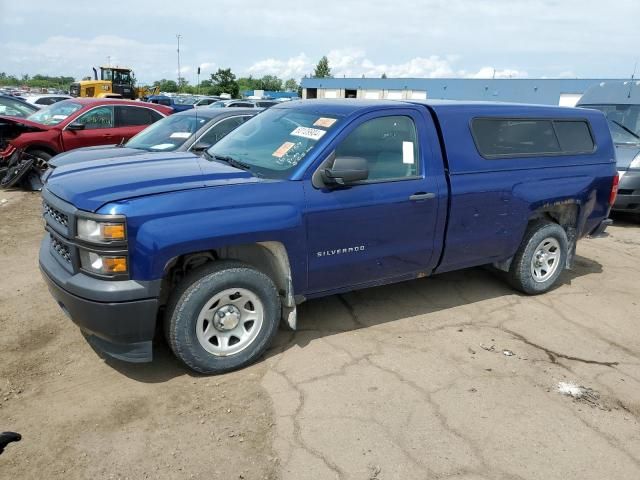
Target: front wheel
(540,259)
(222,317)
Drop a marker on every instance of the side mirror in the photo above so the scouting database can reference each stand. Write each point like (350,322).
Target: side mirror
(346,170)
(200,147)
(75,126)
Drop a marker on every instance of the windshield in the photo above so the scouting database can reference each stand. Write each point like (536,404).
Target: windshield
(624,122)
(167,134)
(274,142)
(218,104)
(56,113)
(15,108)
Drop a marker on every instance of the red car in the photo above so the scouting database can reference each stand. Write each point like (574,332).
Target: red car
(74,123)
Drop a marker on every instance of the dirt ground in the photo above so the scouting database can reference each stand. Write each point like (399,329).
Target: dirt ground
(455,376)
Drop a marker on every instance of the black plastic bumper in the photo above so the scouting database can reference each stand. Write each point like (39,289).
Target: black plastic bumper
(123,330)
(628,199)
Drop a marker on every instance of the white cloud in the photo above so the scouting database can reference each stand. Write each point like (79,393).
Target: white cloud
(60,55)
(491,72)
(294,67)
(353,62)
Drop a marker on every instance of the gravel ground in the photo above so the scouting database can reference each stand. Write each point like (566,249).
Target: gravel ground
(455,376)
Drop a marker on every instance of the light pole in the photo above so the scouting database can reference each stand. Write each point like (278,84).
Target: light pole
(178,36)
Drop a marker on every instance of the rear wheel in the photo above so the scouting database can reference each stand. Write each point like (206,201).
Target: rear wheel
(222,317)
(540,259)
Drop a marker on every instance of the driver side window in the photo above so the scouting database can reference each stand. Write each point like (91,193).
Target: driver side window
(388,144)
(101,117)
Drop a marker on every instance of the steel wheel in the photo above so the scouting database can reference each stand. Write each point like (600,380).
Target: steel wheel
(545,260)
(230,321)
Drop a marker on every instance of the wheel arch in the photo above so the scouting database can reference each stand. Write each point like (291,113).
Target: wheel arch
(40,146)
(269,257)
(565,213)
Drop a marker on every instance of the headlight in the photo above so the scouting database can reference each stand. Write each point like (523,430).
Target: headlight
(103,264)
(100,232)
(635,163)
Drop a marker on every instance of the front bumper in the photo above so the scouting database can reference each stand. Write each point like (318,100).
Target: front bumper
(628,199)
(118,318)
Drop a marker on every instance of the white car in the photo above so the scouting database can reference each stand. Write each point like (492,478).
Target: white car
(45,99)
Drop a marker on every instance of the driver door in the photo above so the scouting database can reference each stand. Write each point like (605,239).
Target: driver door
(381,228)
(98,129)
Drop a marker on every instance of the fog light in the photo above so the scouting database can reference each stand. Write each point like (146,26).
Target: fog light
(103,264)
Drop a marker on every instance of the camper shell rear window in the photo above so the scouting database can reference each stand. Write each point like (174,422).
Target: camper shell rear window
(497,138)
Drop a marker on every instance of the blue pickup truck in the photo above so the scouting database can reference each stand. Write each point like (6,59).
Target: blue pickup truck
(314,198)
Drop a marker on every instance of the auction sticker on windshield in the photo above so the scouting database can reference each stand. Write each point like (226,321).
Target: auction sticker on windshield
(310,133)
(324,122)
(283,149)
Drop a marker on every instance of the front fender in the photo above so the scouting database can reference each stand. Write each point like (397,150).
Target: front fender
(163,227)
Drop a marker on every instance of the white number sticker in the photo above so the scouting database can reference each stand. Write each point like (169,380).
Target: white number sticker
(180,135)
(310,133)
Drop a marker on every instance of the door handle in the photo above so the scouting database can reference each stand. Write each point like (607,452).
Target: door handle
(422,196)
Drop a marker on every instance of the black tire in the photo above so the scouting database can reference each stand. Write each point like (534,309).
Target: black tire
(192,295)
(520,274)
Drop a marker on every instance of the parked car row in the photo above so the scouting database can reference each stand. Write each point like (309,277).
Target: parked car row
(188,131)
(27,144)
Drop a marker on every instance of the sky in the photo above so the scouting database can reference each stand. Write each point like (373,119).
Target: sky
(402,38)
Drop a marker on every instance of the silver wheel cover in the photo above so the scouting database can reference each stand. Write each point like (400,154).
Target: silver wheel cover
(230,321)
(545,260)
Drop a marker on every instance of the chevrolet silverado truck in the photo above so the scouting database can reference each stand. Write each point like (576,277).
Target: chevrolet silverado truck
(313,198)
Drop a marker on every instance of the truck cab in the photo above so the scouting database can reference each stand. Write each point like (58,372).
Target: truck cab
(313,198)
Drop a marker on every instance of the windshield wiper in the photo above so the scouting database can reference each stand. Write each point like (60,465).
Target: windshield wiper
(626,129)
(232,161)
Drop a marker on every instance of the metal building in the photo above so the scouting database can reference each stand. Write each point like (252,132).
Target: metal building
(546,91)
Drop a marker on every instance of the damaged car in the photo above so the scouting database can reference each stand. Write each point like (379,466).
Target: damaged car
(27,144)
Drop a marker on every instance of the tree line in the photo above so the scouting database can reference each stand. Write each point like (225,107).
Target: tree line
(222,81)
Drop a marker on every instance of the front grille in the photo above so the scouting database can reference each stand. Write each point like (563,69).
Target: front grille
(60,249)
(56,215)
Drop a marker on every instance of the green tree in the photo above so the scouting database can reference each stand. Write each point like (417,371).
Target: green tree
(323,70)
(248,83)
(271,82)
(291,85)
(224,81)
(166,85)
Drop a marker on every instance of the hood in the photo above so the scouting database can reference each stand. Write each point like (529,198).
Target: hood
(92,153)
(27,125)
(625,155)
(91,184)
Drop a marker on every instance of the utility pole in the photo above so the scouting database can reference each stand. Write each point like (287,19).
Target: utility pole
(178,36)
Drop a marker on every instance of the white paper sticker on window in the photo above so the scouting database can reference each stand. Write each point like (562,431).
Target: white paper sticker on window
(180,135)
(162,146)
(407,153)
(310,133)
